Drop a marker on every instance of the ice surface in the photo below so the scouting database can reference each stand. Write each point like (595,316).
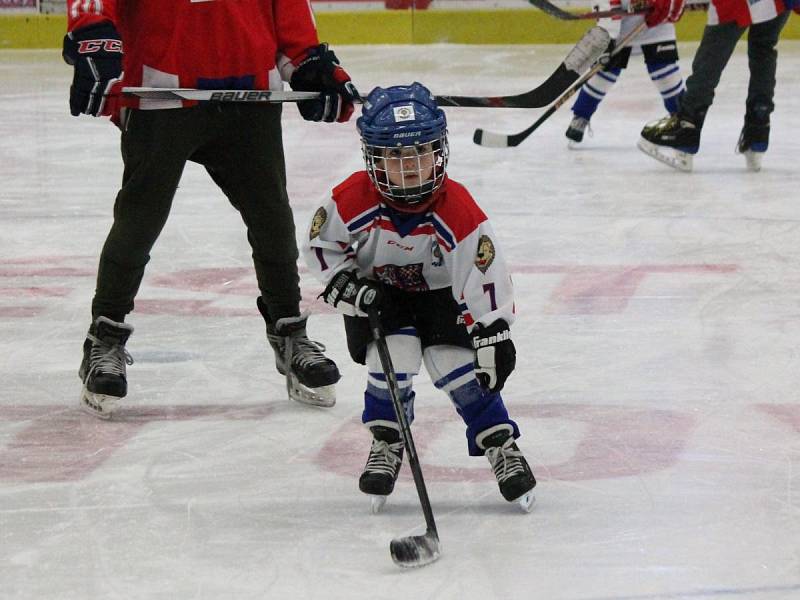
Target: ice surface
(656,388)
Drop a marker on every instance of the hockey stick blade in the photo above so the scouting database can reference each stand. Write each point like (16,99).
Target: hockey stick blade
(270,96)
(416,550)
(585,53)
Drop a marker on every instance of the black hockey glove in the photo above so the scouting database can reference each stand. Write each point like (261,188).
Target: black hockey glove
(96,54)
(320,72)
(362,295)
(495,356)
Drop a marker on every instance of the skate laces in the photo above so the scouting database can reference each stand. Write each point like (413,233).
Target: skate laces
(384,457)
(302,352)
(107,358)
(505,460)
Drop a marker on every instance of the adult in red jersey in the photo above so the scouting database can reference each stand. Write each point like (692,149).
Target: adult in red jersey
(674,140)
(403,239)
(216,44)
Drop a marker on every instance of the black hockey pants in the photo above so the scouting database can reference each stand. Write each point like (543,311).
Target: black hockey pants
(241,148)
(716,48)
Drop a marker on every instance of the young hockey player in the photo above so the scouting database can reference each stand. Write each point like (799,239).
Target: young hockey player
(404,239)
(656,43)
(674,140)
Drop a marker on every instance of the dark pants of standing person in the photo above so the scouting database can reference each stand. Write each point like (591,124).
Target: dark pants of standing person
(241,148)
(716,48)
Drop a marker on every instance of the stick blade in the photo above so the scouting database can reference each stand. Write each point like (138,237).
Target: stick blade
(416,550)
(490,139)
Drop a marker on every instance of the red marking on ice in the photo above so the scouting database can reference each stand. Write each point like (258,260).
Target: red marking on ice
(21,311)
(34,292)
(607,289)
(617,442)
(46,272)
(67,445)
(189,308)
(785,413)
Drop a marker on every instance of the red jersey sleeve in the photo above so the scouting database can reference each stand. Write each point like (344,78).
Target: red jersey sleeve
(295,28)
(82,13)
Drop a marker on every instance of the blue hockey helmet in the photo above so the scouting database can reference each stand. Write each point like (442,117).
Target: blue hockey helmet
(404,140)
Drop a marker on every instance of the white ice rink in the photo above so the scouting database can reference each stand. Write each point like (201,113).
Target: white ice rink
(656,387)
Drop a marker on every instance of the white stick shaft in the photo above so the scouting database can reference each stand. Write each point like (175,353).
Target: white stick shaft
(218,95)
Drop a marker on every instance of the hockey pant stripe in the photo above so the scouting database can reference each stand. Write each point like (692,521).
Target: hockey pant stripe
(452,372)
(593,92)
(406,353)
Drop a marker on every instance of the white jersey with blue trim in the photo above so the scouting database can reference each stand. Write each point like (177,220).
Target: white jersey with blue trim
(619,27)
(452,245)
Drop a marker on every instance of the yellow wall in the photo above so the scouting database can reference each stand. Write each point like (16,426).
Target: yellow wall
(396,27)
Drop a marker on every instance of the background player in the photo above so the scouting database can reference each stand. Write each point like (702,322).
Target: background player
(658,46)
(675,139)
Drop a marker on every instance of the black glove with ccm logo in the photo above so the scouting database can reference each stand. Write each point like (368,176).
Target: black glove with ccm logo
(359,295)
(96,53)
(495,355)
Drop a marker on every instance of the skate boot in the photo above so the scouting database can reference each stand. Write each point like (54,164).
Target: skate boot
(383,463)
(102,369)
(673,140)
(310,375)
(754,139)
(513,474)
(575,131)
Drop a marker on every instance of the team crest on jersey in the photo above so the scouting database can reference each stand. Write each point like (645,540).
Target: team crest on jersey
(485,256)
(437,260)
(317,222)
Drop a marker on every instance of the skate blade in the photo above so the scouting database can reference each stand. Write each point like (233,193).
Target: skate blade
(526,502)
(376,503)
(681,161)
(98,405)
(323,396)
(753,160)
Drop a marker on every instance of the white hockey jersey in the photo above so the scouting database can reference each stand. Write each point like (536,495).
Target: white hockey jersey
(619,27)
(452,245)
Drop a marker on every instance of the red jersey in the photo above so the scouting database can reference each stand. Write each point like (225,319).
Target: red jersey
(232,44)
(744,12)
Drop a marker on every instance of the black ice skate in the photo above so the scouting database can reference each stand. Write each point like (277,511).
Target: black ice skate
(102,369)
(754,139)
(310,375)
(673,140)
(576,129)
(513,474)
(383,463)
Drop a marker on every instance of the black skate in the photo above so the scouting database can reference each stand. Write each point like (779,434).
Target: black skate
(513,474)
(102,369)
(673,140)
(310,375)
(754,139)
(576,129)
(383,463)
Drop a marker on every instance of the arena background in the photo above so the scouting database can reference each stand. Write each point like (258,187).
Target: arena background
(41,23)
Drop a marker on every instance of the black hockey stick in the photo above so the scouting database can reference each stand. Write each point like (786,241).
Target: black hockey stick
(585,53)
(415,550)
(554,11)
(559,13)
(502,140)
